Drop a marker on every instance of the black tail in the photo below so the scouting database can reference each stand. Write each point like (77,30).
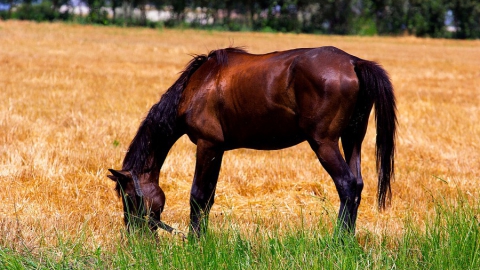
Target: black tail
(160,123)
(375,82)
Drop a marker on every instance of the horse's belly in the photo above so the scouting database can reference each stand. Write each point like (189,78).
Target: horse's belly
(268,143)
(263,134)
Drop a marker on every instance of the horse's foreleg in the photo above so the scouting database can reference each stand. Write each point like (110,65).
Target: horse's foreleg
(209,160)
(348,188)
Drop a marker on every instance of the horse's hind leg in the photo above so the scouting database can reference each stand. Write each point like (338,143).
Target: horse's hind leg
(345,181)
(352,138)
(209,160)
(352,151)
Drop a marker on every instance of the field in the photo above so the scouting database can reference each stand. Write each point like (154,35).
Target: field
(72,97)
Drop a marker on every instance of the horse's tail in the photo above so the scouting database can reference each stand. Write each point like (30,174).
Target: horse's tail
(375,86)
(160,124)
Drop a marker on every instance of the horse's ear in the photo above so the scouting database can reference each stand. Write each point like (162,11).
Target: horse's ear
(118,175)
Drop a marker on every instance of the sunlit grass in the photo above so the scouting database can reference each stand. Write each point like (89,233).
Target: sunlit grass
(450,240)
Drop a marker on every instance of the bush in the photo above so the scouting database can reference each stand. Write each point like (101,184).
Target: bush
(364,26)
(39,12)
(4,15)
(97,15)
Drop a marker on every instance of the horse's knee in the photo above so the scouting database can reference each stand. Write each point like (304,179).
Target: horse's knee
(359,187)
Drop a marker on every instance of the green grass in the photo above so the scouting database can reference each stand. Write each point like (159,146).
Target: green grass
(450,239)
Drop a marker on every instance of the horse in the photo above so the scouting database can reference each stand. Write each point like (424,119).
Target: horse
(229,99)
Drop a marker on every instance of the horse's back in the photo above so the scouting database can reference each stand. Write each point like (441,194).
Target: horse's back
(259,101)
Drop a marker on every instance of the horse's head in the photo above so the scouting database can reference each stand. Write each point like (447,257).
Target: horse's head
(142,201)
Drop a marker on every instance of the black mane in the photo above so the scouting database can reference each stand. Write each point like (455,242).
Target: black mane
(160,122)
(222,54)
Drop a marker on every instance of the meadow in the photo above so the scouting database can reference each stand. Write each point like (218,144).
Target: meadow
(71,100)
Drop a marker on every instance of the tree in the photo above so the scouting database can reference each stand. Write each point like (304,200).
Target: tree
(142,5)
(427,18)
(96,14)
(56,4)
(390,16)
(115,4)
(178,9)
(466,17)
(337,15)
(212,7)
(11,4)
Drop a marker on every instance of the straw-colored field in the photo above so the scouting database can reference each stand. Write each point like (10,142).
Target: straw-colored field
(72,97)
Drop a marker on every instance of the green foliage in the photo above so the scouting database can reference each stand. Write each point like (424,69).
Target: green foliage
(97,15)
(466,18)
(279,18)
(116,143)
(4,15)
(427,18)
(39,12)
(364,26)
(343,17)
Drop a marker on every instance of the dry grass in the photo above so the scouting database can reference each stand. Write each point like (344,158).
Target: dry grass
(72,97)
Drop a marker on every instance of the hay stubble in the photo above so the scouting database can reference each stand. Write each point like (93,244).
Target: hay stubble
(73,96)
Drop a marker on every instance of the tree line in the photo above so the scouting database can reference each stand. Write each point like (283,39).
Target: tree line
(425,18)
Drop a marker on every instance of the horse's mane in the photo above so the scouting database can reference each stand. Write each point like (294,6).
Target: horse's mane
(160,123)
(222,54)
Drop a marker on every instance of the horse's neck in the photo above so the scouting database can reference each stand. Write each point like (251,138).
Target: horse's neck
(152,176)
(152,169)
(156,161)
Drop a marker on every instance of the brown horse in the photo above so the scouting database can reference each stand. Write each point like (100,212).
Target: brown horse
(231,99)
